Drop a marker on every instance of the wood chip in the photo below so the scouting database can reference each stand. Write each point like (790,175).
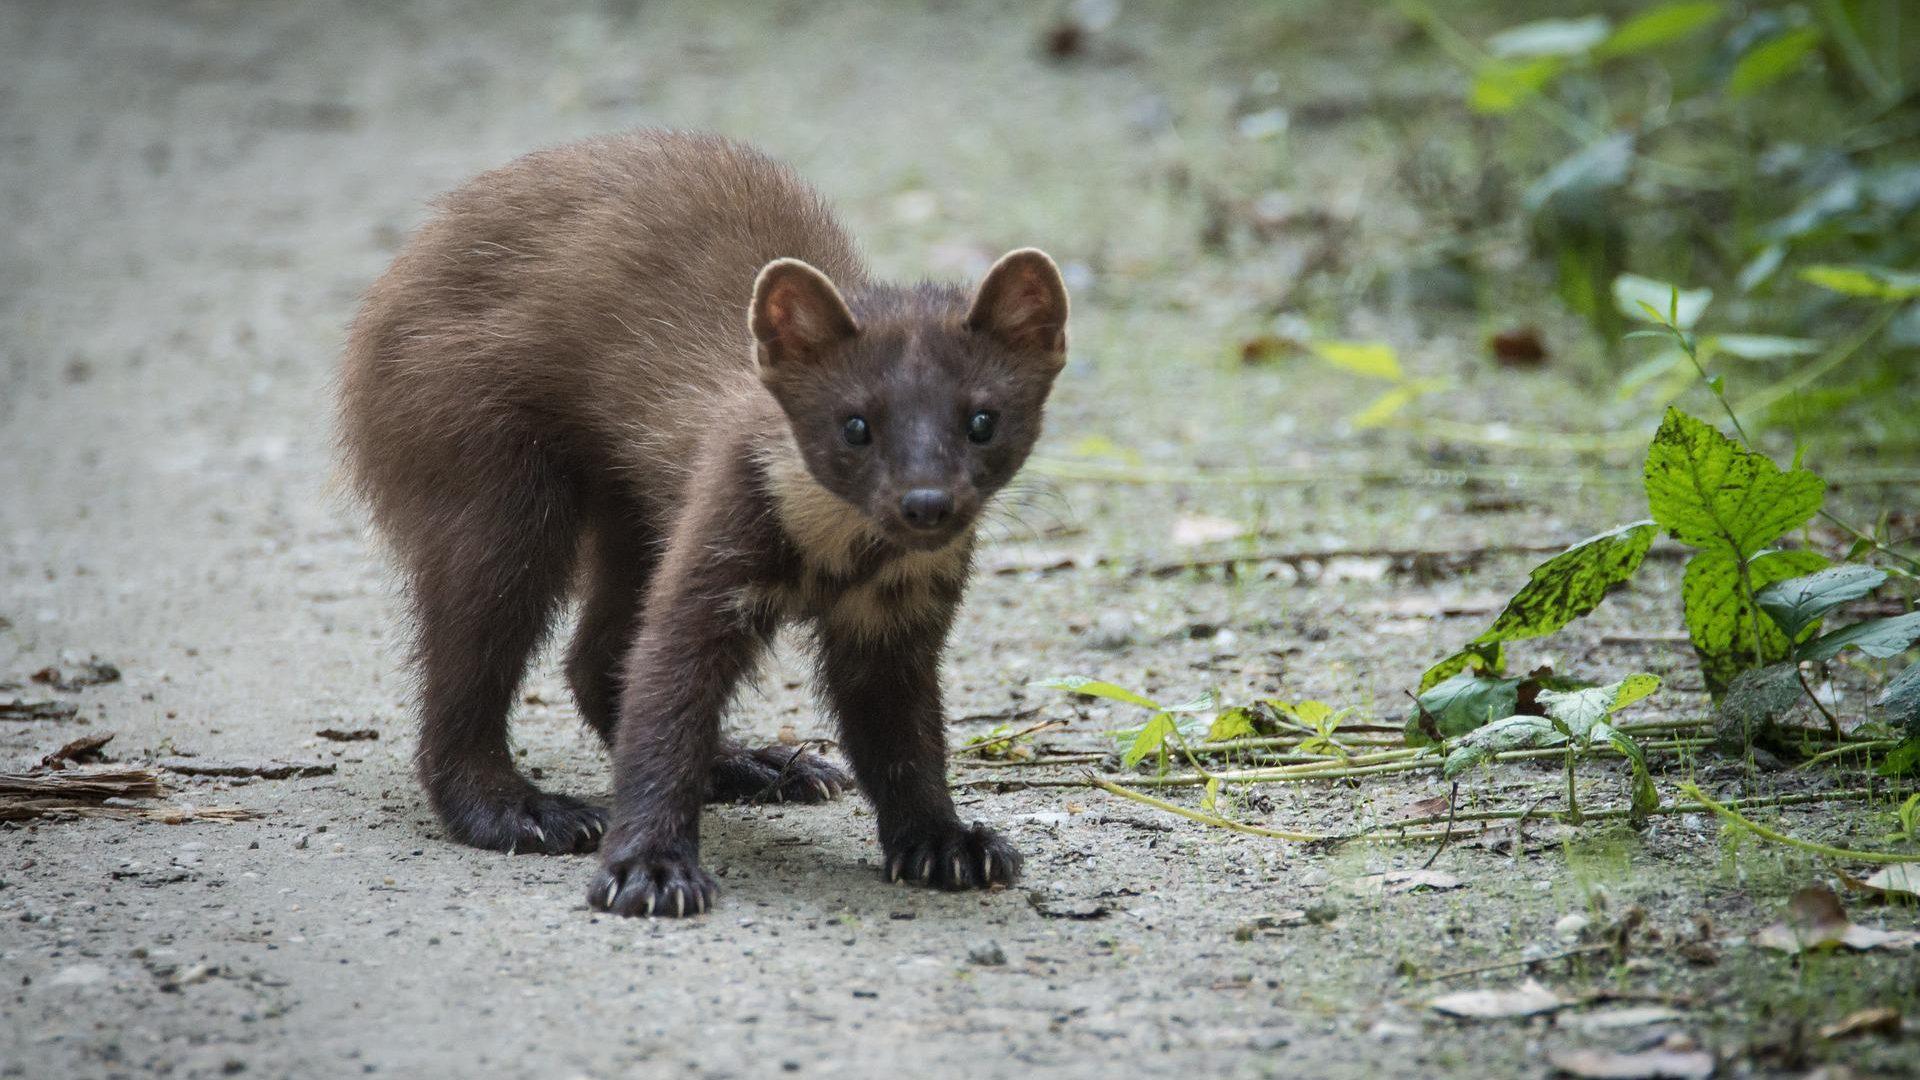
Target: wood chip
(1394,882)
(265,770)
(1646,1065)
(18,708)
(96,783)
(80,751)
(1878,1021)
(1527,999)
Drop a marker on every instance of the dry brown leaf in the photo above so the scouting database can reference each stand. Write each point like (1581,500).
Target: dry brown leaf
(1879,1021)
(1527,999)
(81,751)
(1817,921)
(1645,1065)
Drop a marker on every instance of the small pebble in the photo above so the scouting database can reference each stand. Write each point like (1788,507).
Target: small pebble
(987,954)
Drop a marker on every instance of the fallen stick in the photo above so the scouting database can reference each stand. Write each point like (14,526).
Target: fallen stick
(15,809)
(15,708)
(106,782)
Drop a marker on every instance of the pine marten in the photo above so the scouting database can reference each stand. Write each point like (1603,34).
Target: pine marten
(650,370)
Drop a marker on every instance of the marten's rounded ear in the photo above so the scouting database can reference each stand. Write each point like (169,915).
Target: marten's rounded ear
(1023,302)
(797,315)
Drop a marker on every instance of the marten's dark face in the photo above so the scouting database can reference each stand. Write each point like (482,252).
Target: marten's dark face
(915,406)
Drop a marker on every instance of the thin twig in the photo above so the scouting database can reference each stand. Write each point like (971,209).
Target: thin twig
(974,747)
(1727,813)
(1528,961)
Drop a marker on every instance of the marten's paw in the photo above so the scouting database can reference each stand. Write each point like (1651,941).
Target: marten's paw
(652,885)
(531,823)
(953,857)
(775,774)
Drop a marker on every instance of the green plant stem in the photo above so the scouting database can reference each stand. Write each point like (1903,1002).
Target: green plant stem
(1866,746)
(1214,820)
(1614,813)
(1733,816)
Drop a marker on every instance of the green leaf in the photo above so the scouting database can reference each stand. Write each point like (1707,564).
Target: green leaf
(1580,710)
(1501,86)
(1661,25)
(1797,602)
(1234,723)
(1080,684)
(1313,714)
(1901,699)
(1878,638)
(1463,703)
(1729,633)
(1194,705)
(1644,798)
(1876,282)
(1634,295)
(1772,61)
(1550,37)
(1151,740)
(1709,492)
(1211,798)
(1571,583)
(1498,737)
(1762,346)
(1372,359)
(1388,405)
(1488,658)
(1902,760)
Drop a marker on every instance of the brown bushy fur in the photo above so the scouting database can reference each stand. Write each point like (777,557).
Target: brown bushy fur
(629,369)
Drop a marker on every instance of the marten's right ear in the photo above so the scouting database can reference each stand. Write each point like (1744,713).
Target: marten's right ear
(798,316)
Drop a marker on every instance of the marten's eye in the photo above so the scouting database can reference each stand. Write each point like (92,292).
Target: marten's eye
(980,426)
(855,431)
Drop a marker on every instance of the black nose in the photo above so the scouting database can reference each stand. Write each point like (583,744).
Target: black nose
(926,508)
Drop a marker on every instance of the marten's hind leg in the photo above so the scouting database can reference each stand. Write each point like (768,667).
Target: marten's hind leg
(620,558)
(774,774)
(487,579)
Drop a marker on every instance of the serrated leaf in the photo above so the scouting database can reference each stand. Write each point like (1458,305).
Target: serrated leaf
(1314,714)
(1661,25)
(1080,684)
(1878,638)
(1730,634)
(1369,358)
(1875,282)
(1498,737)
(1501,86)
(1463,703)
(1151,739)
(1709,492)
(1797,602)
(1580,710)
(1550,37)
(1771,61)
(1234,723)
(1644,299)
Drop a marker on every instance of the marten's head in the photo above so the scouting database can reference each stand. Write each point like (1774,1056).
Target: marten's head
(914,405)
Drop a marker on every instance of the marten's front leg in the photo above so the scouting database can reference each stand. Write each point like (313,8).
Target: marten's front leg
(682,671)
(886,690)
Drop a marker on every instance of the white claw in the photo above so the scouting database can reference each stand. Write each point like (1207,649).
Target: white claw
(613,890)
(513,846)
(679,904)
(926,869)
(893,871)
(988,868)
(649,907)
(541,833)
(821,787)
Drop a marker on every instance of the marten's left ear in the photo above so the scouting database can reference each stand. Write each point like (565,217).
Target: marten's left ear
(1023,302)
(797,315)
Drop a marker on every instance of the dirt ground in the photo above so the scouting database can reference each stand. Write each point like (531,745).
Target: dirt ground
(194,195)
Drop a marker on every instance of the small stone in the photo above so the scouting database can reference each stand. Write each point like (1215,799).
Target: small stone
(987,954)
(301,844)
(1570,927)
(1112,630)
